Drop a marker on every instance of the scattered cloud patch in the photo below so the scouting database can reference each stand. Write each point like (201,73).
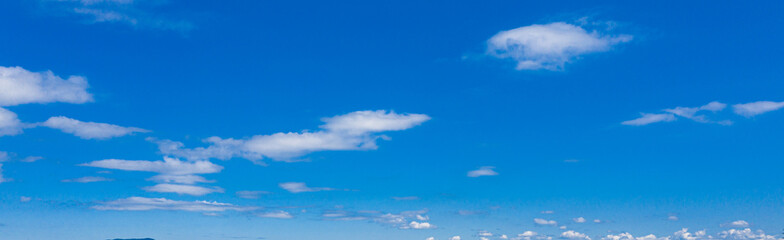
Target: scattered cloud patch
(572,235)
(545,222)
(579,220)
(275,214)
(672,114)
(146,204)
(353,131)
(89,130)
(9,123)
(251,194)
(420,225)
(550,46)
(756,108)
(738,224)
(87,179)
(300,187)
(25,199)
(182,189)
(20,86)
(648,118)
(482,171)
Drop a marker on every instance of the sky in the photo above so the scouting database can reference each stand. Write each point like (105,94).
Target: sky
(391,120)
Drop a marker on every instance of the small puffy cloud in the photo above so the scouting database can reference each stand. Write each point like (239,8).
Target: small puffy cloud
(756,108)
(275,214)
(25,199)
(183,189)
(648,118)
(88,179)
(146,204)
(628,236)
(89,130)
(673,218)
(549,46)
(251,194)
(579,220)
(299,187)
(353,131)
(482,171)
(572,235)
(545,222)
(420,225)
(597,221)
(738,224)
(454,238)
(745,234)
(9,123)
(20,86)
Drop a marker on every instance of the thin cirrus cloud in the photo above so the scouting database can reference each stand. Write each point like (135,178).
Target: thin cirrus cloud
(89,130)
(695,113)
(251,194)
(300,187)
(550,46)
(138,14)
(358,130)
(280,214)
(403,220)
(482,171)
(174,176)
(88,179)
(147,204)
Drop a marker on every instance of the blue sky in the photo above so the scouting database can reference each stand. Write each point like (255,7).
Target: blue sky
(576,120)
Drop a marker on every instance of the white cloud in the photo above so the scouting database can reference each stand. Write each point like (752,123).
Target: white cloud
(540,221)
(628,236)
(88,179)
(738,223)
(455,238)
(169,166)
(183,179)
(736,234)
(89,130)
(299,187)
(420,225)
(19,86)
(146,204)
(482,171)
(275,214)
(579,220)
(353,131)
(549,46)
(756,108)
(690,112)
(9,123)
(251,194)
(182,189)
(25,199)
(672,218)
(572,235)
(648,118)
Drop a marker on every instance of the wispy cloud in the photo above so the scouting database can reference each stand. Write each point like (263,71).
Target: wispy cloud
(756,108)
(139,14)
(482,171)
(354,131)
(251,194)
(88,179)
(146,204)
(275,214)
(170,171)
(672,114)
(89,130)
(550,46)
(300,187)
(545,222)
